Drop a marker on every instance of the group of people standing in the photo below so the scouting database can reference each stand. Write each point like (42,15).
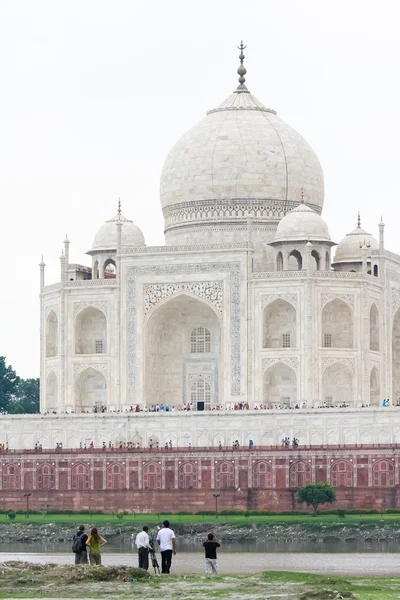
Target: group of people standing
(84,545)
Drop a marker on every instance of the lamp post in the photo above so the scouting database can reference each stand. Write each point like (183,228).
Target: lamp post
(216,496)
(27,504)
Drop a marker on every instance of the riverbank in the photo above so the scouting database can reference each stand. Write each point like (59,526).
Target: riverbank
(22,580)
(120,533)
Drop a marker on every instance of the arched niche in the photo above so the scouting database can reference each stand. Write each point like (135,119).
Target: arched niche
(295,261)
(90,331)
(376,271)
(110,269)
(90,390)
(327,261)
(337,325)
(279,325)
(396,357)
(51,335)
(183,346)
(374,387)
(342,474)
(280,385)
(337,385)
(51,392)
(374,329)
(315,261)
(279,261)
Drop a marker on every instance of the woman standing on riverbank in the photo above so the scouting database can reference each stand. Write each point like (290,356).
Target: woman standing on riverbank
(95,542)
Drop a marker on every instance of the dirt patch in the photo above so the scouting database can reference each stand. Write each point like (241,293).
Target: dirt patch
(326,595)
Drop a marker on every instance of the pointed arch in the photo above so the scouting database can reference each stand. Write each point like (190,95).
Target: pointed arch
(279,325)
(51,335)
(11,477)
(295,261)
(45,477)
(337,385)
(337,325)
(374,328)
(110,269)
(280,385)
(187,475)
(224,475)
(90,390)
(279,261)
(316,263)
(152,476)
(300,474)
(183,341)
(342,473)
(115,477)
(51,392)
(262,475)
(80,477)
(383,473)
(374,387)
(90,331)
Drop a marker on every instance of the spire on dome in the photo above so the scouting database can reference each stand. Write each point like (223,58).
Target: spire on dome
(302,196)
(241,71)
(119,209)
(359,220)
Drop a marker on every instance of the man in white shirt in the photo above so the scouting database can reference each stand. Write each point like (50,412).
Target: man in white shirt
(143,544)
(166,541)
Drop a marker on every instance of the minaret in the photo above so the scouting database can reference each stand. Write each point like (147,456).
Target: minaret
(66,250)
(364,255)
(117,363)
(42,265)
(62,268)
(381,235)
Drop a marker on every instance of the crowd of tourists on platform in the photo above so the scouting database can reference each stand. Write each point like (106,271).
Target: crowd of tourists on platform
(87,548)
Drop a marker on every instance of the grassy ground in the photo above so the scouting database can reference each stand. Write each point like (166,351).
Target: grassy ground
(21,580)
(238,520)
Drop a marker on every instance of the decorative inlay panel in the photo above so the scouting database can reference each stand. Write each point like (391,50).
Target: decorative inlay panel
(100,304)
(349,362)
(195,376)
(80,367)
(212,291)
(348,298)
(134,273)
(268,298)
(395,304)
(291,361)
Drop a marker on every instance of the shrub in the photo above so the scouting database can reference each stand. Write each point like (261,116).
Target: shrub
(11,515)
(341,513)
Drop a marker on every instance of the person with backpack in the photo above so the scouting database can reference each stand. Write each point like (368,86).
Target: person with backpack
(95,542)
(79,546)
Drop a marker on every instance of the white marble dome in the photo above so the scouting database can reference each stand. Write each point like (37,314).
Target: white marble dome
(241,159)
(349,249)
(106,237)
(300,224)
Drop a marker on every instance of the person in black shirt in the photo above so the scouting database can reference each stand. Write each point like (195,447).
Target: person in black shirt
(81,556)
(210,547)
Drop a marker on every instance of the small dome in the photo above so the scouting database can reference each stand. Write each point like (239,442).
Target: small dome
(106,237)
(349,249)
(300,224)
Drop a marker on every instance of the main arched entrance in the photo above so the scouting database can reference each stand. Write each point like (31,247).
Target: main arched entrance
(183,349)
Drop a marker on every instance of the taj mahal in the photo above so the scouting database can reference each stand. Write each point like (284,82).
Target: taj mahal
(249,303)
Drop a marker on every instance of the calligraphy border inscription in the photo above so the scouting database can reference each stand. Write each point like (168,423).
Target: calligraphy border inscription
(190,269)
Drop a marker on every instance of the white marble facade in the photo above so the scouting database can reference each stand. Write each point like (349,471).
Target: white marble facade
(244,303)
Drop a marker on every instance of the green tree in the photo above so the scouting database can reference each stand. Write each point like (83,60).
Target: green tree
(8,384)
(316,494)
(27,397)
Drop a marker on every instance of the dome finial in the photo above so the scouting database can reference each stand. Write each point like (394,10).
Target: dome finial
(119,209)
(302,196)
(359,220)
(241,70)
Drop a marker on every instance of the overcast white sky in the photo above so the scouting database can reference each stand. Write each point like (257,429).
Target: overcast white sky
(94,94)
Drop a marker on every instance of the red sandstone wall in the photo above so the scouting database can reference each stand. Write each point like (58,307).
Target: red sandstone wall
(257,479)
